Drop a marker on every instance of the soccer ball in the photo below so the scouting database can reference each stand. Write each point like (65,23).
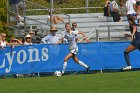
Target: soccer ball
(58,73)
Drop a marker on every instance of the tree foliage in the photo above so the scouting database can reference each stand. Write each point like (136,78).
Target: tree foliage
(3,18)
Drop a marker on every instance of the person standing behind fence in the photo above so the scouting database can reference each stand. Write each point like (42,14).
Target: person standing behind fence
(122,8)
(135,44)
(115,11)
(3,41)
(15,5)
(34,38)
(28,40)
(52,37)
(107,8)
(15,42)
(70,36)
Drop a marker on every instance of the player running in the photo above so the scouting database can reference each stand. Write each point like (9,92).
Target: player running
(135,44)
(70,35)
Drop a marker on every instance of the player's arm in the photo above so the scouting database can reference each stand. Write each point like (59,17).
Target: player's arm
(61,39)
(59,42)
(83,34)
(134,31)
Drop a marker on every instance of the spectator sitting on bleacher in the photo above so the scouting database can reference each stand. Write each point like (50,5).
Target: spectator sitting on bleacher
(52,37)
(55,18)
(130,8)
(115,11)
(122,8)
(28,40)
(107,8)
(15,5)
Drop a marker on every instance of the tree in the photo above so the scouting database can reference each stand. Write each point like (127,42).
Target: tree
(3,18)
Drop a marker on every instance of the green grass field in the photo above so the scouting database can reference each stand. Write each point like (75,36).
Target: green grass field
(118,82)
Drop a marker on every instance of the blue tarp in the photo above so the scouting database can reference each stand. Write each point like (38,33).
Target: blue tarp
(49,58)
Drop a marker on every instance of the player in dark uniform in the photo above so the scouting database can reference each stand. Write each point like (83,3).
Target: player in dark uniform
(135,44)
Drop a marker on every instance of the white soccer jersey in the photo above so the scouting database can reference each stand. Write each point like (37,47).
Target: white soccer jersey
(71,38)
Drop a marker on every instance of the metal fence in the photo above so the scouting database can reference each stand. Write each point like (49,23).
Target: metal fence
(42,7)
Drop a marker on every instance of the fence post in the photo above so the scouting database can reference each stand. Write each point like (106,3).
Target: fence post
(51,10)
(97,34)
(109,36)
(24,14)
(86,1)
(8,16)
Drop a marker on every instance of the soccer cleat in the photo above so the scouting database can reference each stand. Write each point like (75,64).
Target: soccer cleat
(62,73)
(127,68)
(88,69)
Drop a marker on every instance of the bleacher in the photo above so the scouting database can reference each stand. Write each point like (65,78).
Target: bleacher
(86,22)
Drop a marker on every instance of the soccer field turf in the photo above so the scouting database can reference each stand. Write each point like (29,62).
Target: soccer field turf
(119,82)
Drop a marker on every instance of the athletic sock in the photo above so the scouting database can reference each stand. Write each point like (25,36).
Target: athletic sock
(127,59)
(64,67)
(83,64)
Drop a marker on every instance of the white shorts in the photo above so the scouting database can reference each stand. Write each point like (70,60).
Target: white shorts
(74,51)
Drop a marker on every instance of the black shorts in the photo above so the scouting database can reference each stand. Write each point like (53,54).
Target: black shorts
(136,41)
(116,16)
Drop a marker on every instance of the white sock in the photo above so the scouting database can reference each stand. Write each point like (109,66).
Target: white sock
(64,67)
(83,64)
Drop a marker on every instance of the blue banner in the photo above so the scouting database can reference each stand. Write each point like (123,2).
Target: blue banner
(49,58)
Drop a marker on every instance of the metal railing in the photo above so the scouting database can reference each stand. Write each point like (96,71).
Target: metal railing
(109,30)
(40,8)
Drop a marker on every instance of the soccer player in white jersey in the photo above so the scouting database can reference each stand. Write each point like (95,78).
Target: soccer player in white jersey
(71,37)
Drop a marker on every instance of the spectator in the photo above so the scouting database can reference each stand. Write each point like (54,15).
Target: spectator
(52,37)
(130,8)
(107,8)
(74,26)
(15,42)
(28,40)
(138,6)
(122,8)
(15,5)
(3,41)
(35,39)
(55,18)
(115,11)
